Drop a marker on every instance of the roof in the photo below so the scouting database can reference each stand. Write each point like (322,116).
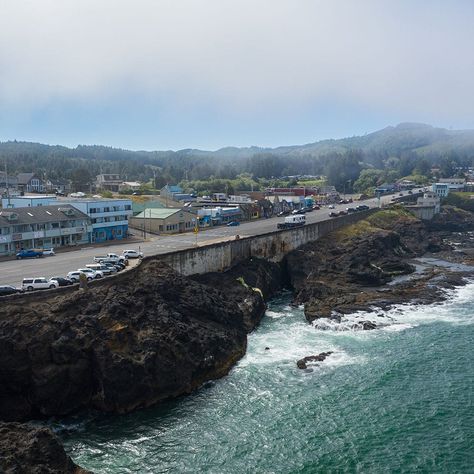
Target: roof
(40,214)
(159,213)
(173,188)
(24,178)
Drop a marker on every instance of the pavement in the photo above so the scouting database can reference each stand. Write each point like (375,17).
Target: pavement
(12,272)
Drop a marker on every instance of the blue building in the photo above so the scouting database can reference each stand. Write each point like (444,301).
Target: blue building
(109,217)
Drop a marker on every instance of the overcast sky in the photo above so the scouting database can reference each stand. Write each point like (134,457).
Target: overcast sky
(159,74)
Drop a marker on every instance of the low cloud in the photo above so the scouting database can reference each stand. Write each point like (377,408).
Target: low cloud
(239,56)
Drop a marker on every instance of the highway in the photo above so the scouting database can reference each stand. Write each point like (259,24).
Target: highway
(12,272)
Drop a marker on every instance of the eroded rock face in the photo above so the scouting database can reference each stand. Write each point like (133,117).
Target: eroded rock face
(27,449)
(129,342)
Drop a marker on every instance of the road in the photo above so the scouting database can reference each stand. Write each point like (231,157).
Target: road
(12,272)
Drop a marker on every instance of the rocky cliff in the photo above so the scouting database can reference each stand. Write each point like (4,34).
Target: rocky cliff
(28,449)
(133,340)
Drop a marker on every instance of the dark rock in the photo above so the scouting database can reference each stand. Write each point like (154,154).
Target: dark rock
(129,342)
(28,449)
(364,325)
(302,363)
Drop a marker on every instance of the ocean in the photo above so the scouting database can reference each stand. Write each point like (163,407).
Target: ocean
(397,399)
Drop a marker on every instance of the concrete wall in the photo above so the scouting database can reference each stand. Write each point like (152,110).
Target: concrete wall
(272,246)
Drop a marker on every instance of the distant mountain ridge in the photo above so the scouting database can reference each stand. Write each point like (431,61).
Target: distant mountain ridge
(416,137)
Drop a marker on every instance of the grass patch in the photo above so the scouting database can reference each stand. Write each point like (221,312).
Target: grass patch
(380,220)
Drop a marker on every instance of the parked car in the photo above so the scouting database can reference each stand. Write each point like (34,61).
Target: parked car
(350,210)
(62,281)
(49,252)
(9,290)
(31,253)
(233,224)
(113,268)
(331,206)
(105,269)
(74,276)
(95,274)
(283,213)
(109,256)
(316,207)
(333,214)
(342,213)
(118,265)
(38,283)
(132,254)
(362,207)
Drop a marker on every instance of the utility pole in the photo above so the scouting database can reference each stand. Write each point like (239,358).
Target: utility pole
(9,205)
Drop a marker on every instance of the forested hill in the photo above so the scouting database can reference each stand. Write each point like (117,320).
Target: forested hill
(404,142)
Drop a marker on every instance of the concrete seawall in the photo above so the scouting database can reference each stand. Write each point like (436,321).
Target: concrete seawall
(271,246)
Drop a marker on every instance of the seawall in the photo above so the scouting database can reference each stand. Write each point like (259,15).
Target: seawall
(272,246)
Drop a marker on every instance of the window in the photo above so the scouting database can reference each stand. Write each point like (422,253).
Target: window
(118,231)
(128,207)
(160,228)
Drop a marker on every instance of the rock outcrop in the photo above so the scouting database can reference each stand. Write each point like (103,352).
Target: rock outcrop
(27,449)
(128,342)
(303,363)
(342,272)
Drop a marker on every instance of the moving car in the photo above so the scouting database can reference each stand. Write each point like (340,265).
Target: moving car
(38,283)
(292,221)
(9,290)
(49,252)
(31,253)
(233,224)
(132,254)
(62,281)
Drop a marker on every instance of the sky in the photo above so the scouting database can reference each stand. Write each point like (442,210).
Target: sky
(174,74)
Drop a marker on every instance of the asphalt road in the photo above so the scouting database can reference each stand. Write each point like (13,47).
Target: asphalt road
(12,272)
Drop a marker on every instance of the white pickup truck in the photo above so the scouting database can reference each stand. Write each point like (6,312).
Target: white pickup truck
(110,257)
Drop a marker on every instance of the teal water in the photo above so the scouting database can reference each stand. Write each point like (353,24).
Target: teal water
(396,399)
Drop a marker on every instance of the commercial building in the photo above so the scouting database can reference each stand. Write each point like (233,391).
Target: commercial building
(109,217)
(15,202)
(42,227)
(164,221)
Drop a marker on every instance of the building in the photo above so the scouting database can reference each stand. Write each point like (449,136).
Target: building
(15,202)
(42,227)
(164,221)
(30,183)
(109,217)
(108,182)
(175,193)
(59,186)
(219,215)
(426,206)
(129,186)
(440,189)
